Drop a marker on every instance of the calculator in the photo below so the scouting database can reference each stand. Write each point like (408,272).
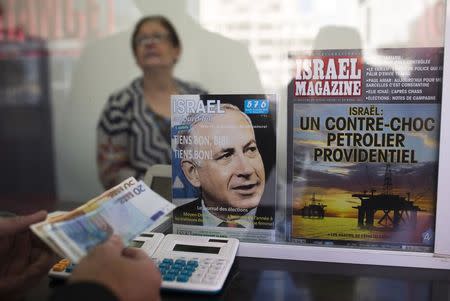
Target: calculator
(195,263)
(146,241)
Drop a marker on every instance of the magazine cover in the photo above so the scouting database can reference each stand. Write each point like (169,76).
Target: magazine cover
(363,142)
(223,165)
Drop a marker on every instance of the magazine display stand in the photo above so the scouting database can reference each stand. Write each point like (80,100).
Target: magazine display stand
(433,251)
(438,259)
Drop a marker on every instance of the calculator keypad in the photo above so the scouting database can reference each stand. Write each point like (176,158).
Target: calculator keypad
(62,268)
(192,270)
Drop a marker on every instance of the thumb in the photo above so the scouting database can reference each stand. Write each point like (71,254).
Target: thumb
(134,253)
(16,224)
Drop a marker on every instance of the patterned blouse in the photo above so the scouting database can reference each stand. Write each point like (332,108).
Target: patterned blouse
(130,136)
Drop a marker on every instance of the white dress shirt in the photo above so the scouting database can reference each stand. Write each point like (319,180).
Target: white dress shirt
(211,220)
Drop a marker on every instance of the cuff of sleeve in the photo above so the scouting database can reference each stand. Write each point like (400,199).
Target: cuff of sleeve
(83,291)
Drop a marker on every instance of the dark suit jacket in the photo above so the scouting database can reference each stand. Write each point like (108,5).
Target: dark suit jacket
(192,212)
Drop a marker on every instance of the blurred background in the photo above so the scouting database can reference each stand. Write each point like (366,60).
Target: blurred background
(60,60)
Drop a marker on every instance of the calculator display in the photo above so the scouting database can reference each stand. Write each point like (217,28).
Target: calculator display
(196,249)
(136,244)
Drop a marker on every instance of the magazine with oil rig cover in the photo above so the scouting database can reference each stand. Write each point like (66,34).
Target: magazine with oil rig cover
(223,165)
(363,142)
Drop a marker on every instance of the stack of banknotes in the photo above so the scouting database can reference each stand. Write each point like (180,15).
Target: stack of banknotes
(125,210)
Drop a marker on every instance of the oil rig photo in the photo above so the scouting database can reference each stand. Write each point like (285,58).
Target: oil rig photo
(396,209)
(315,209)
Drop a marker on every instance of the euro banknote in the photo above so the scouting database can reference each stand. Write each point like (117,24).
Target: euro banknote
(87,207)
(127,212)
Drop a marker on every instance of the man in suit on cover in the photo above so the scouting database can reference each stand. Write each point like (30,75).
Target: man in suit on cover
(226,165)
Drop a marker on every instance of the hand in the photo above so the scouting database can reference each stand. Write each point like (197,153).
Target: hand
(24,259)
(129,273)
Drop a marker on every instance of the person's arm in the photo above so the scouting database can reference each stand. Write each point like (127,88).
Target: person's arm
(83,291)
(110,272)
(24,259)
(113,147)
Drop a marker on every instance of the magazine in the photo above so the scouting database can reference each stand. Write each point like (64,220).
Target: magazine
(223,165)
(363,142)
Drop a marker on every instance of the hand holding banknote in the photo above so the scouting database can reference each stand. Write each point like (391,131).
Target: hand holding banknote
(24,259)
(123,271)
(125,210)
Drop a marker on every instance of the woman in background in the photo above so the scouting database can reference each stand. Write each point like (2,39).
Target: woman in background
(133,132)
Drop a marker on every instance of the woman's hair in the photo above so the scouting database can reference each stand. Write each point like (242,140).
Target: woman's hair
(173,35)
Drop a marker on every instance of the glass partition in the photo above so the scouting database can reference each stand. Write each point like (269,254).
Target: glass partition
(65,64)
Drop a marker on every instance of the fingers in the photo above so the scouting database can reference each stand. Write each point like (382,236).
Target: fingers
(39,244)
(135,253)
(16,285)
(42,262)
(19,253)
(12,225)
